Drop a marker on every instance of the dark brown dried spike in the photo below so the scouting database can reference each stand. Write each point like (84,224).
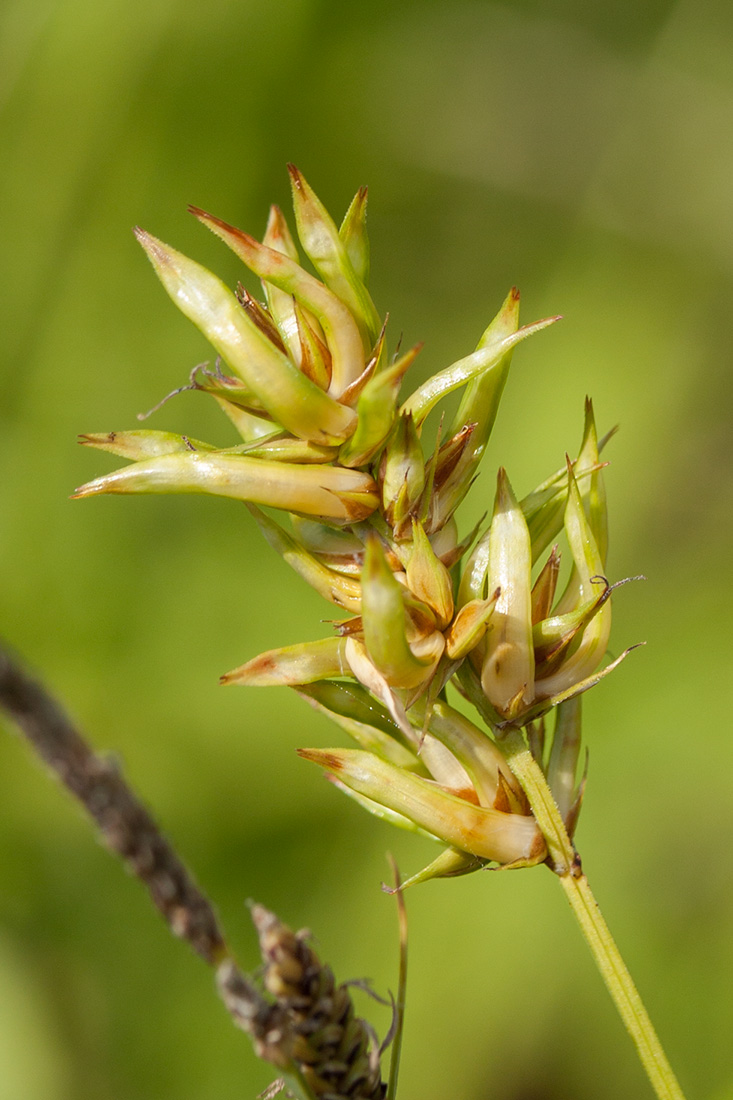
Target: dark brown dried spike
(334,1050)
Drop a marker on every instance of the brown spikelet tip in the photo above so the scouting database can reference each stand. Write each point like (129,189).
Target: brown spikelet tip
(229,677)
(323,757)
(230,230)
(263,664)
(295,176)
(276,224)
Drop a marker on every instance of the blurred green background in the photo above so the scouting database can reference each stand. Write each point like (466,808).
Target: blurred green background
(581,151)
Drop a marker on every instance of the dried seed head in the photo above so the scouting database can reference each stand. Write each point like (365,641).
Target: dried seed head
(332,1047)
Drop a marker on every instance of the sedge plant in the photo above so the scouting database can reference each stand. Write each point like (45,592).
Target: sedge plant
(365,513)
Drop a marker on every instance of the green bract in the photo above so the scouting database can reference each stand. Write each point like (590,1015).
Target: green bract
(307,380)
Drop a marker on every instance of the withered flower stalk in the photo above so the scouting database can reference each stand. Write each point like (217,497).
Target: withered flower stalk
(303,1023)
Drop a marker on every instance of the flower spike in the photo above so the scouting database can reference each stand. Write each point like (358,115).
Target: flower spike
(328,254)
(292,665)
(486,833)
(384,618)
(367,520)
(507,675)
(137,445)
(353,233)
(487,358)
(342,590)
(312,388)
(343,496)
(290,398)
(278,269)
(376,412)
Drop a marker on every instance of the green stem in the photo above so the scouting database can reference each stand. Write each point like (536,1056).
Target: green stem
(394,1063)
(565,862)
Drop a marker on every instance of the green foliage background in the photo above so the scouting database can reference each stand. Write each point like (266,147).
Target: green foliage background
(579,150)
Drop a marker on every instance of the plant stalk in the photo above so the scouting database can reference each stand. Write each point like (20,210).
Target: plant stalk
(130,831)
(565,862)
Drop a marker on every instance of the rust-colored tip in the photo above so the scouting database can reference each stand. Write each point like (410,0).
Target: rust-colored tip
(234,674)
(277,227)
(209,219)
(147,240)
(323,757)
(514,293)
(216,224)
(96,439)
(295,176)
